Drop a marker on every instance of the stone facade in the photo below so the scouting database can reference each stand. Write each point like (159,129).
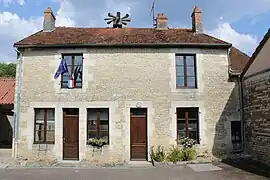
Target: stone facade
(257,116)
(118,79)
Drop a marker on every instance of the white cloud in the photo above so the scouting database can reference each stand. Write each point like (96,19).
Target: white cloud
(244,42)
(14,28)
(8,2)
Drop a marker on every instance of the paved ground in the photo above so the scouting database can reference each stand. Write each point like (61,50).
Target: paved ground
(138,173)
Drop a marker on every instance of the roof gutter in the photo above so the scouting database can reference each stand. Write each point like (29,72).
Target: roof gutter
(138,45)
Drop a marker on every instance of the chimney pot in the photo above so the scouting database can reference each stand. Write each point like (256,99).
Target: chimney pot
(162,21)
(197,22)
(49,20)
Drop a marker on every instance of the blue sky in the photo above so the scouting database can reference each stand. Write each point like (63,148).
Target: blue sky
(242,23)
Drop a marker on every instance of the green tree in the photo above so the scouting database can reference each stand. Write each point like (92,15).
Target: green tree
(7,70)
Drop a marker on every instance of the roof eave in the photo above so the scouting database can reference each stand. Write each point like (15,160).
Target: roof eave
(160,45)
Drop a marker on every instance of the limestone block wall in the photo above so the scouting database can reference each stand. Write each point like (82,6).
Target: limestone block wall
(257,117)
(118,79)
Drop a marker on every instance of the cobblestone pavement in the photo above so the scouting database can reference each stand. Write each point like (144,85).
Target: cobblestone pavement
(136,173)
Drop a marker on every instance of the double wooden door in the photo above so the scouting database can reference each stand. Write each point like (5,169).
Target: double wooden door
(138,134)
(71,136)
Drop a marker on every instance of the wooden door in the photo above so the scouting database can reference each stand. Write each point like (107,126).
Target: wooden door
(71,137)
(138,134)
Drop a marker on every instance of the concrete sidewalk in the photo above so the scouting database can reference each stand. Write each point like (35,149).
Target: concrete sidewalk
(163,173)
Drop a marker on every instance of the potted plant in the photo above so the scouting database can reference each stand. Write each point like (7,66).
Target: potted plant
(95,142)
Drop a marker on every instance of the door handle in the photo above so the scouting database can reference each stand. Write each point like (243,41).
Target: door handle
(64,140)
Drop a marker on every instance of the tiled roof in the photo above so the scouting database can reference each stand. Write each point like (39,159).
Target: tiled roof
(72,36)
(238,60)
(7,90)
(107,36)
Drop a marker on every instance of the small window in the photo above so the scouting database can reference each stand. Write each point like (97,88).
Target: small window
(236,135)
(44,126)
(188,123)
(98,123)
(185,71)
(75,70)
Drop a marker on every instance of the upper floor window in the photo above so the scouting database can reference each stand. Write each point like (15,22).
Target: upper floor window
(185,71)
(73,79)
(44,126)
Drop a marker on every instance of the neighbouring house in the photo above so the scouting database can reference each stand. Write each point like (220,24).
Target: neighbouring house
(140,87)
(256,93)
(7,89)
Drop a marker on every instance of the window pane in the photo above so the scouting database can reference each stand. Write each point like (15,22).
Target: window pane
(179,60)
(50,126)
(193,135)
(50,136)
(180,81)
(192,114)
(78,60)
(190,71)
(92,114)
(91,134)
(191,81)
(181,125)
(50,115)
(39,136)
(192,126)
(39,114)
(104,135)
(92,125)
(104,114)
(190,60)
(179,70)
(68,59)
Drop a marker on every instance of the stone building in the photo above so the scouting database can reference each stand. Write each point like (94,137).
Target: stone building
(140,87)
(256,93)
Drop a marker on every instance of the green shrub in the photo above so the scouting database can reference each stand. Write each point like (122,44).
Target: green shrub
(175,154)
(189,154)
(157,154)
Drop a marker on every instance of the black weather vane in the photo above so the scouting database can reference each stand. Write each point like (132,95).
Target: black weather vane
(117,20)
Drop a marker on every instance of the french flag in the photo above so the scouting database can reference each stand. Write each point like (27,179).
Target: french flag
(71,82)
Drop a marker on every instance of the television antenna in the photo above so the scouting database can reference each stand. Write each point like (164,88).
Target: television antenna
(152,12)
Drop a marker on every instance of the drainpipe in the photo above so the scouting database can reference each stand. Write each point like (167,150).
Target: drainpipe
(17,108)
(241,94)
(241,101)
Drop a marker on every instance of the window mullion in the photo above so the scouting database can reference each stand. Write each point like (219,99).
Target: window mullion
(185,71)
(186,117)
(45,125)
(98,123)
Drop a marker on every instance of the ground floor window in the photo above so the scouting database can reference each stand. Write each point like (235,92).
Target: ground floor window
(98,123)
(236,135)
(44,126)
(188,123)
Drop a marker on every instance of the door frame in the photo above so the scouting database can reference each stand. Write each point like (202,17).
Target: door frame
(62,142)
(147,134)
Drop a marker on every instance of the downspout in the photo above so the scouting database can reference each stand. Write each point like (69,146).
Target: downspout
(18,107)
(242,111)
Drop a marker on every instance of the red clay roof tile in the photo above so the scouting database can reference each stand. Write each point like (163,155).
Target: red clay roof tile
(7,90)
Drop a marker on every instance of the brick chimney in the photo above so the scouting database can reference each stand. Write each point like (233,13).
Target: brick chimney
(197,24)
(49,20)
(161,21)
